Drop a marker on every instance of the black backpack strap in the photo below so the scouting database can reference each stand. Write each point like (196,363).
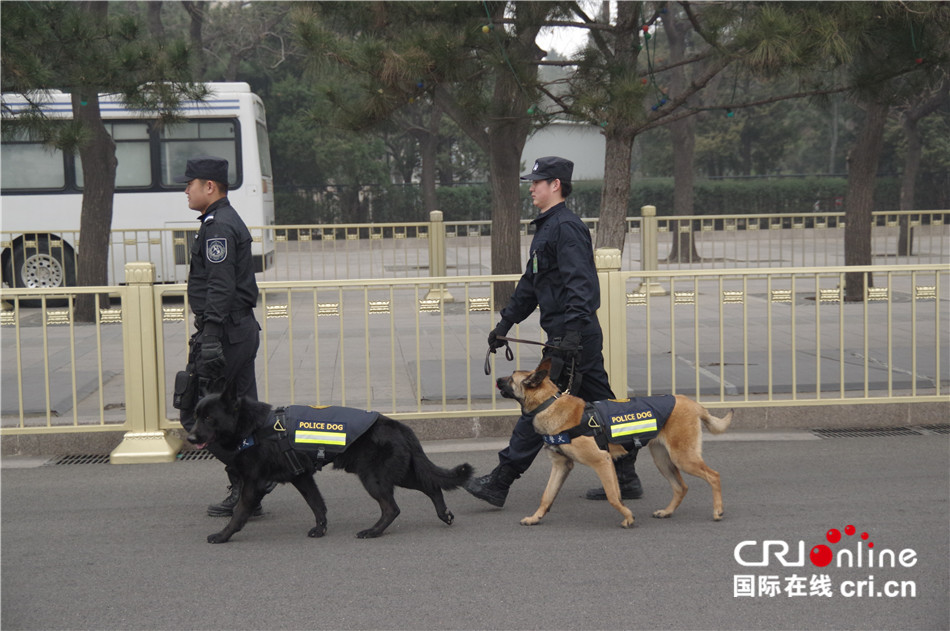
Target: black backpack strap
(283,440)
(591,425)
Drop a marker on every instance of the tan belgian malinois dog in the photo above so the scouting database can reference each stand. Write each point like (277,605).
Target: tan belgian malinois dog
(677,446)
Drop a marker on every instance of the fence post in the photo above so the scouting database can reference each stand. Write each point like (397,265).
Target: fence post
(437,257)
(613,318)
(648,251)
(146,442)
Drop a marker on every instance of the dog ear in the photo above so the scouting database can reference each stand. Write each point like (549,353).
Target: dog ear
(545,365)
(535,379)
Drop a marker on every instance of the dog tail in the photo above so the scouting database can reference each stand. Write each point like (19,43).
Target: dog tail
(428,473)
(715,424)
(445,479)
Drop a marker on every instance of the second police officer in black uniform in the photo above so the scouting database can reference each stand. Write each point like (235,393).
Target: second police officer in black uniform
(222,293)
(560,280)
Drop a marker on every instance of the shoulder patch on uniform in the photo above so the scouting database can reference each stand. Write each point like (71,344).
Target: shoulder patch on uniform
(217,249)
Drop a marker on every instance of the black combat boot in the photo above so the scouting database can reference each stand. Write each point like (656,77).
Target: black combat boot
(493,488)
(630,487)
(225,508)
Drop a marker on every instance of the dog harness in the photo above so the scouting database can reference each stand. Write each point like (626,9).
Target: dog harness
(322,431)
(631,423)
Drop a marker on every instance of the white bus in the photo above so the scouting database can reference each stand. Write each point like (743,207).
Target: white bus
(42,187)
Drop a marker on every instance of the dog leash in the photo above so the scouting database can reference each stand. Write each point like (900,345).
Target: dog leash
(514,339)
(510,356)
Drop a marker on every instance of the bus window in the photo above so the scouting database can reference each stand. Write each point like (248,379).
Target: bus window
(29,165)
(180,141)
(134,169)
(263,149)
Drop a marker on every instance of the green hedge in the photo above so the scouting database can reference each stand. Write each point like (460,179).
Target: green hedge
(733,196)
(472,202)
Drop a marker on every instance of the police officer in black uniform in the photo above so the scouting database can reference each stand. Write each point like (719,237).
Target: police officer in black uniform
(560,279)
(222,293)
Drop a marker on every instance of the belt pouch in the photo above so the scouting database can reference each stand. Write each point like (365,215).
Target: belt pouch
(186,388)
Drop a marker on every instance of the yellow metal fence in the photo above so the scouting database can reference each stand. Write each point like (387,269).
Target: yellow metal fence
(415,347)
(405,250)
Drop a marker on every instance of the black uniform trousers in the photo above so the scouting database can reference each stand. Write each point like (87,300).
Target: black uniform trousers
(525,443)
(240,339)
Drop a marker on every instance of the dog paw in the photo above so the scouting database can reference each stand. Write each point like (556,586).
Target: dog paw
(367,534)
(448,517)
(717,515)
(530,521)
(317,531)
(217,538)
(662,514)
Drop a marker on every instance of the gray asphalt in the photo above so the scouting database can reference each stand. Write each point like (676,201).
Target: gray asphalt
(123,547)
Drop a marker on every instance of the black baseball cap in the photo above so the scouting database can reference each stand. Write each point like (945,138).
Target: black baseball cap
(205,168)
(549,168)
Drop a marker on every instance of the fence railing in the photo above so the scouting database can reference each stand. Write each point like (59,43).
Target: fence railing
(404,250)
(414,347)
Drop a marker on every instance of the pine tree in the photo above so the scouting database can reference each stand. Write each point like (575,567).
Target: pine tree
(79,48)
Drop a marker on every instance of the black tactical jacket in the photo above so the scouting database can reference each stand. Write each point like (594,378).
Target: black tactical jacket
(221,277)
(560,276)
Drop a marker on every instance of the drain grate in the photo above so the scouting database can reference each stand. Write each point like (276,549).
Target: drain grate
(83,459)
(937,428)
(196,454)
(866,432)
(104,459)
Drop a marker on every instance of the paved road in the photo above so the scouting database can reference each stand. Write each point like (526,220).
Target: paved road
(123,547)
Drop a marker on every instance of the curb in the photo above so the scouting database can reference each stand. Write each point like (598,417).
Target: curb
(774,418)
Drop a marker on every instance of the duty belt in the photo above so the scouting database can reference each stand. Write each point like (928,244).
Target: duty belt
(233,316)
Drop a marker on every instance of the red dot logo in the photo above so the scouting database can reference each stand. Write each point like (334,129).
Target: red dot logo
(821,555)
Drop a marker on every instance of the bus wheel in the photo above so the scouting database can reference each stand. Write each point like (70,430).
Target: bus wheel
(38,265)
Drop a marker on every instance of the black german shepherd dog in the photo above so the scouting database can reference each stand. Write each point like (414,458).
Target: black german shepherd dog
(386,455)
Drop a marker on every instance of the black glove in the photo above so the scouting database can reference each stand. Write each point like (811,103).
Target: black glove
(501,330)
(211,360)
(570,344)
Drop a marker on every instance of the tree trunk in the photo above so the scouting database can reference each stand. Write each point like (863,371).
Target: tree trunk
(154,18)
(862,172)
(95,222)
(833,149)
(612,227)
(508,127)
(503,173)
(429,145)
(196,11)
(683,136)
(905,244)
(619,133)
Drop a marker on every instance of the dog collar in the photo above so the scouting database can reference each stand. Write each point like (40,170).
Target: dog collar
(543,406)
